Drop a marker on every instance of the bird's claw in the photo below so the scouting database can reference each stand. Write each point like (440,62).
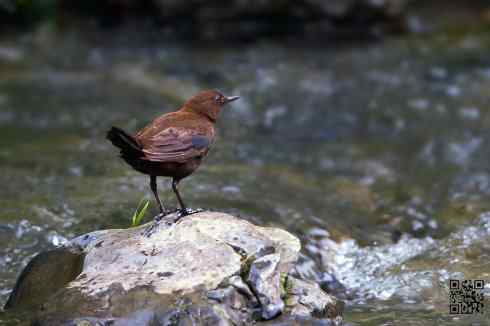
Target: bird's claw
(187,211)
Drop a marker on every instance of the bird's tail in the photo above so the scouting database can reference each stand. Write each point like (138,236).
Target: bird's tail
(126,143)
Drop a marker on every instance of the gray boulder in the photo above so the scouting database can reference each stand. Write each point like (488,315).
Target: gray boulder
(207,269)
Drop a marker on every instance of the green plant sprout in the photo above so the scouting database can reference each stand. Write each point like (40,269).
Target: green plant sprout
(140,212)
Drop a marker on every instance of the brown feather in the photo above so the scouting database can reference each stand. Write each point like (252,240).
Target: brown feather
(174,145)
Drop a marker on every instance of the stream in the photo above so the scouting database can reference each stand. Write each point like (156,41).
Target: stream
(376,154)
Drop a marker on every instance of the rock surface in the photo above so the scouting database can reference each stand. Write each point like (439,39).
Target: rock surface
(207,269)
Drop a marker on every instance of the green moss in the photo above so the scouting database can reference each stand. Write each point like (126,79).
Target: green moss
(246,265)
(286,289)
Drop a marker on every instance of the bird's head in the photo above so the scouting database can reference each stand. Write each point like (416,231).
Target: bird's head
(208,103)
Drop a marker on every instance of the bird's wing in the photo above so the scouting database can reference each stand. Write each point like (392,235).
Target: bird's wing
(175,144)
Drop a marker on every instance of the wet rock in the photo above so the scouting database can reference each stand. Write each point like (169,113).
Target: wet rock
(365,271)
(306,298)
(411,269)
(56,267)
(242,287)
(207,269)
(265,282)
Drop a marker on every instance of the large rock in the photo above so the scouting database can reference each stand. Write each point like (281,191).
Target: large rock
(206,269)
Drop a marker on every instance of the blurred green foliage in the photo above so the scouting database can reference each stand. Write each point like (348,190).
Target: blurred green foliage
(27,11)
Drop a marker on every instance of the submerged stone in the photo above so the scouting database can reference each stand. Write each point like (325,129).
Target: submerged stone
(46,273)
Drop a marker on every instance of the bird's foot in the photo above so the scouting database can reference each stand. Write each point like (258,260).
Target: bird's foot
(187,211)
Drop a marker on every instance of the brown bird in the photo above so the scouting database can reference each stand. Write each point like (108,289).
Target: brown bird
(174,144)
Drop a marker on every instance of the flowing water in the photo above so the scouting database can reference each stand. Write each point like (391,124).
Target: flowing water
(376,154)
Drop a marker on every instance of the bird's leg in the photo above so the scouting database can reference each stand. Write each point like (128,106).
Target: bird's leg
(183,210)
(153,186)
(175,182)
(153,226)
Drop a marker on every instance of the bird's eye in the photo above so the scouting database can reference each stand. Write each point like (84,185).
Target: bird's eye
(217,98)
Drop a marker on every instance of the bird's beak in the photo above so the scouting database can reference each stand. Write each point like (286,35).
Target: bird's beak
(231,99)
